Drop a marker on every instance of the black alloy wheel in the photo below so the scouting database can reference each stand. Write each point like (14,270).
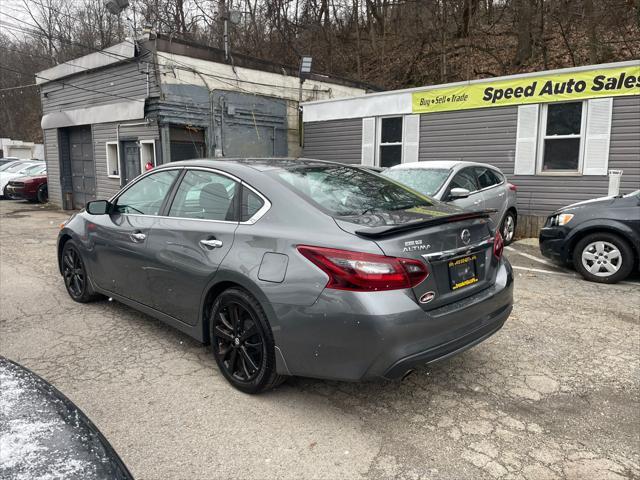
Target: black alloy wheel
(242,342)
(75,275)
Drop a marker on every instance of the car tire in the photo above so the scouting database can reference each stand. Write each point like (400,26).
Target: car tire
(603,257)
(75,276)
(42,195)
(5,193)
(242,342)
(508,227)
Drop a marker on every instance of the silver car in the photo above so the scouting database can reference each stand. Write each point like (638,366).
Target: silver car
(293,267)
(472,186)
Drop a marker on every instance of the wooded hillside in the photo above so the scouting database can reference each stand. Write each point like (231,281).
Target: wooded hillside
(392,44)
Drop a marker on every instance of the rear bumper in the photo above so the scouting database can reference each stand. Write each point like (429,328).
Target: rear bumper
(356,336)
(451,348)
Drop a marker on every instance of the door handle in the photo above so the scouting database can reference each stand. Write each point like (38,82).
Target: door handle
(501,194)
(477,202)
(138,237)
(211,243)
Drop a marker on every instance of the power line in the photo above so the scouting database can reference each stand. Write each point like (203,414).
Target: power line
(4,67)
(18,87)
(156,64)
(35,55)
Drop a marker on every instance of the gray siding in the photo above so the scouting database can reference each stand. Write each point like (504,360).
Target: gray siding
(53,166)
(106,132)
(336,140)
(489,135)
(485,135)
(112,84)
(624,150)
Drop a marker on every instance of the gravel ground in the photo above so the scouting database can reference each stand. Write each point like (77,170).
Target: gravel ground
(554,394)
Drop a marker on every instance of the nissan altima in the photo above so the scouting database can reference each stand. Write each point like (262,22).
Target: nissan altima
(293,267)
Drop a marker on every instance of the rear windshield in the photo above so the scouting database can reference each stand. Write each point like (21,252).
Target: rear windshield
(347,191)
(424,180)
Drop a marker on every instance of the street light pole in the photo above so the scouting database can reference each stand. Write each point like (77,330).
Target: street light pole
(305,71)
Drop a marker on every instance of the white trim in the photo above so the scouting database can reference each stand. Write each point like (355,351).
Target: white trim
(106,147)
(142,160)
(398,102)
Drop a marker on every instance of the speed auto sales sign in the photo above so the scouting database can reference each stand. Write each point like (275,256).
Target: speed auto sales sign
(530,89)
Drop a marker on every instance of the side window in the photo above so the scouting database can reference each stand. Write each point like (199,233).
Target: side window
(250,205)
(487,177)
(145,197)
(390,148)
(464,179)
(206,196)
(562,132)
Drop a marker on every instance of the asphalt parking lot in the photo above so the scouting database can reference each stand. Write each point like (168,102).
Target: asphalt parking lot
(554,394)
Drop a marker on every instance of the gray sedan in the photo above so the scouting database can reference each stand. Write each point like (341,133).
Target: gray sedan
(470,185)
(293,267)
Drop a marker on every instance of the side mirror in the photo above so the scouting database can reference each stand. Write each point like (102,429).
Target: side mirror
(456,193)
(99,207)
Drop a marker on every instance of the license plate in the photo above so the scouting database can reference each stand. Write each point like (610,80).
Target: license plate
(462,272)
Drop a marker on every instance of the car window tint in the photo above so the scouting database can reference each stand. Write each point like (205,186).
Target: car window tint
(206,196)
(251,203)
(145,197)
(346,191)
(464,179)
(487,177)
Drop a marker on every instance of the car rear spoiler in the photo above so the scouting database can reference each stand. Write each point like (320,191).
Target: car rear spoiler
(387,230)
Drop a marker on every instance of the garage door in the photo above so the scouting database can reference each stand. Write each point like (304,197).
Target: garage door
(83,176)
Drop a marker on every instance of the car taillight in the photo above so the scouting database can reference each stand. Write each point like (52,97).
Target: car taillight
(365,271)
(512,187)
(498,245)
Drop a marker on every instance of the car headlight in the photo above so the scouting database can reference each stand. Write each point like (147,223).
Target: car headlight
(560,219)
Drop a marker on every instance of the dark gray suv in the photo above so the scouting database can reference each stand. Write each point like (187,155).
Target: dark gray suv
(293,267)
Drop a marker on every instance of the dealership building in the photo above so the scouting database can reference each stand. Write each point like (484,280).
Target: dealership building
(560,136)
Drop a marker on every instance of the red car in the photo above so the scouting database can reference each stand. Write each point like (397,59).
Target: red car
(33,188)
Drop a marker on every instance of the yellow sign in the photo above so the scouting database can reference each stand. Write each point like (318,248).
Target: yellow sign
(518,91)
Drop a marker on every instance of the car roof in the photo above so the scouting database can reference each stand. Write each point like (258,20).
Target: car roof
(442,164)
(259,164)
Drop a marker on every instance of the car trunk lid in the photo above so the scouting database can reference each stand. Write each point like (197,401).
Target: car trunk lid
(456,246)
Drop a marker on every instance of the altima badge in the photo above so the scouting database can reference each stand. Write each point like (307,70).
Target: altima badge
(427,297)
